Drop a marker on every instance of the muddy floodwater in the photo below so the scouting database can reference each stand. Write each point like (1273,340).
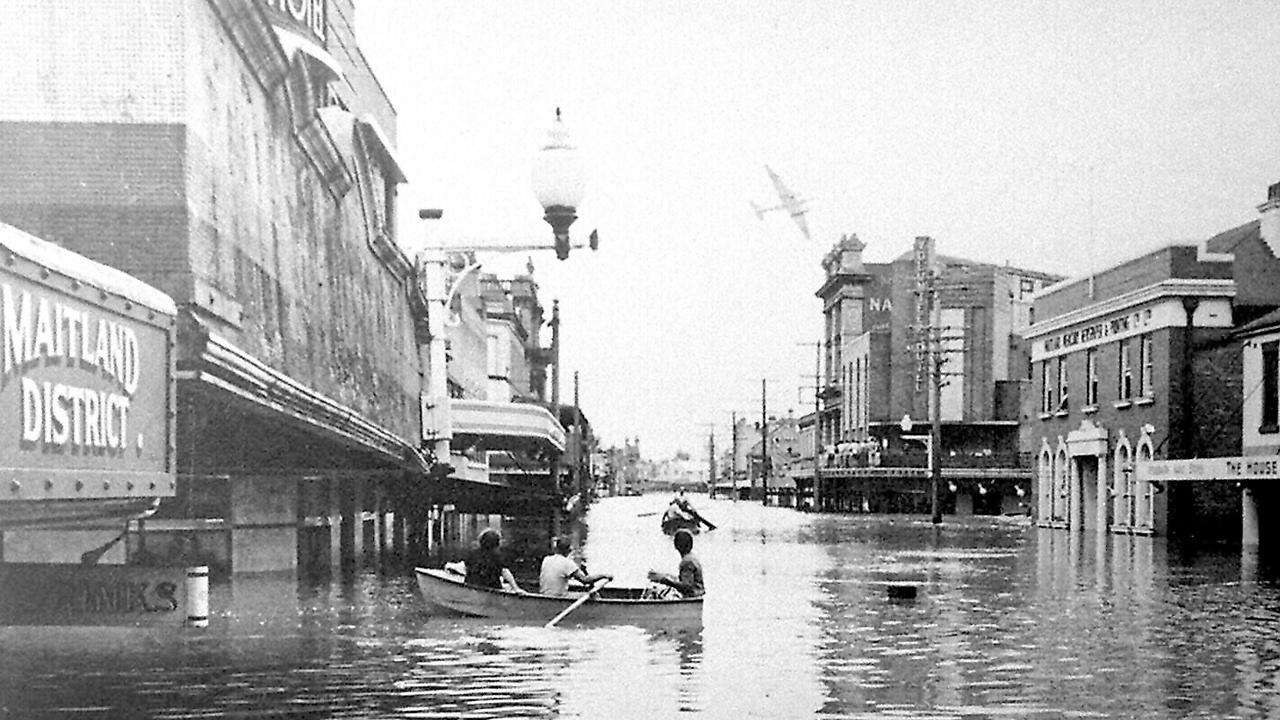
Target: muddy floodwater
(1009,621)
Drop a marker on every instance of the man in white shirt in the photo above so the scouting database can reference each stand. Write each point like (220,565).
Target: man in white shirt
(558,568)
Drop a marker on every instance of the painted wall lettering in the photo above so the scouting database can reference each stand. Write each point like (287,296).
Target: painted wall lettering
(71,594)
(36,331)
(309,15)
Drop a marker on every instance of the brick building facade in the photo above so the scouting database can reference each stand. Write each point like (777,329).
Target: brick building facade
(1138,363)
(238,156)
(873,376)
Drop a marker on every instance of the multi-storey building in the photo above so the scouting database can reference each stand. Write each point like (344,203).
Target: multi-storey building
(504,433)
(240,157)
(876,324)
(1137,364)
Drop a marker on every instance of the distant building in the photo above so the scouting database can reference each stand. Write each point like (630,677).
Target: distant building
(874,375)
(775,480)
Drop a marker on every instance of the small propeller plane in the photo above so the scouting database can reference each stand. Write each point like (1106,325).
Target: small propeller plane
(795,205)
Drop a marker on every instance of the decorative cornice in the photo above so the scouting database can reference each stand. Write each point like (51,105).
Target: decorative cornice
(1173,288)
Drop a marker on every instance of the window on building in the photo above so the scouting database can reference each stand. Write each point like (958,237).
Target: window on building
(1063,394)
(1125,389)
(1046,388)
(1270,387)
(1091,376)
(1145,367)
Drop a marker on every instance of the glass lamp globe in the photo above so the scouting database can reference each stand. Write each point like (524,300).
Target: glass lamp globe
(558,180)
(558,183)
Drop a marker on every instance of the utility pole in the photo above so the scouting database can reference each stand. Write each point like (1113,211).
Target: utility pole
(928,333)
(734,455)
(711,458)
(817,422)
(764,443)
(577,438)
(935,398)
(555,356)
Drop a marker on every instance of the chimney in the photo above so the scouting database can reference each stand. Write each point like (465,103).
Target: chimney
(1270,220)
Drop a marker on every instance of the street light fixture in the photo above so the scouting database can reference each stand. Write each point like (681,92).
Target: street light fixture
(559,183)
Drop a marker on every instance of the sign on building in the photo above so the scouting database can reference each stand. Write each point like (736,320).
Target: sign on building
(68,594)
(86,379)
(306,16)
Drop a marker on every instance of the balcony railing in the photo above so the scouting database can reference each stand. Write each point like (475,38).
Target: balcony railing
(1017,461)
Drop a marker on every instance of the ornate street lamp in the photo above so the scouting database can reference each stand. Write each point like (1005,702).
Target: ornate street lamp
(559,183)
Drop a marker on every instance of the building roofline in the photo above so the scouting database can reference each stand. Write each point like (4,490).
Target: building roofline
(1203,254)
(1173,287)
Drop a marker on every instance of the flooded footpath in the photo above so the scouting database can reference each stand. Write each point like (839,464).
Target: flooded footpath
(1009,621)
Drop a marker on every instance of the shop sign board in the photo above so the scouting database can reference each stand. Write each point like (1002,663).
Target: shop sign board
(86,389)
(1253,468)
(111,595)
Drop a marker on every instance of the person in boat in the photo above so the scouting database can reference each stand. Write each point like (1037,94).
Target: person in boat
(486,568)
(688,580)
(558,568)
(678,513)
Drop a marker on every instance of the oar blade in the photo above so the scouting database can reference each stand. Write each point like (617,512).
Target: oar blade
(578,603)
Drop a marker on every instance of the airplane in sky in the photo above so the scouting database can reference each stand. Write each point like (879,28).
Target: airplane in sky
(795,205)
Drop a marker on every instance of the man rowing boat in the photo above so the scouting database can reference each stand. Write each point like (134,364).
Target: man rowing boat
(681,515)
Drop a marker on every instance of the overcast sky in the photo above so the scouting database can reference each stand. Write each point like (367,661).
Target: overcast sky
(1058,136)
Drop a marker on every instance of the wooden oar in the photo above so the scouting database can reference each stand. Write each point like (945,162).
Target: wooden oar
(701,519)
(578,603)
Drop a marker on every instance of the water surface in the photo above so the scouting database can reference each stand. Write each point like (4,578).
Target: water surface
(1010,621)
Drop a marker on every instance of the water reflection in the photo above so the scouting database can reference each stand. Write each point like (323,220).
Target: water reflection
(1009,621)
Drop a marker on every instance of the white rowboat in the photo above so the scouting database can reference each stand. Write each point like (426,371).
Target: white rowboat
(612,605)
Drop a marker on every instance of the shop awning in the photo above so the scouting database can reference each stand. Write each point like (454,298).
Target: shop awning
(215,364)
(505,425)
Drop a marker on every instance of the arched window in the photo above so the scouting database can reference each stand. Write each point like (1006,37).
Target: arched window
(1061,487)
(1146,507)
(1122,486)
(1044,485)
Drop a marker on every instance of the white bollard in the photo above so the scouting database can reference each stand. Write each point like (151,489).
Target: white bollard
(198,596)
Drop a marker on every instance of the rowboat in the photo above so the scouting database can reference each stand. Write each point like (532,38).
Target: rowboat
(671,524)
(445,590)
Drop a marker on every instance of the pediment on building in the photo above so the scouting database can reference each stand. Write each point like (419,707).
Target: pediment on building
(1088,439)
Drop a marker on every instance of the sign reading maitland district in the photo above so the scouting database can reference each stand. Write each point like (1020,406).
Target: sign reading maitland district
(85,384)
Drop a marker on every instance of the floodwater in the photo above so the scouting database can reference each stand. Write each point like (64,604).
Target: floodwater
(1010,621)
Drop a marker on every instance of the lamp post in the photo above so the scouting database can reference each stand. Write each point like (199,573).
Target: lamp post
(559,184)
(931,464)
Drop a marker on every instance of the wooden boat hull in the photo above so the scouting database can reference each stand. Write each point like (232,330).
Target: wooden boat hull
(671,525)
(621,606)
